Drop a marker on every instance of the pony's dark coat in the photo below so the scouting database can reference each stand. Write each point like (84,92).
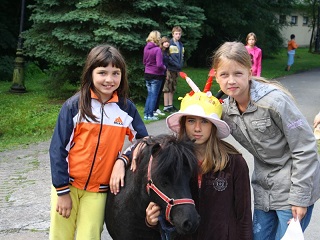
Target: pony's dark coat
(174,162)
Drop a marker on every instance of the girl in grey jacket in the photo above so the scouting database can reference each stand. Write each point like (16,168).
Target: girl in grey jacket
(263,118)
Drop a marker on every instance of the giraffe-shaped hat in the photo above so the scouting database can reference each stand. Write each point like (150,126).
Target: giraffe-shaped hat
(200,104)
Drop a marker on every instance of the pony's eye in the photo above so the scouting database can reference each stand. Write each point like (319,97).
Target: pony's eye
(164,183)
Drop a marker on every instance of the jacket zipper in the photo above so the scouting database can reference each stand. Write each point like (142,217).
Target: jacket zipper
(95,152)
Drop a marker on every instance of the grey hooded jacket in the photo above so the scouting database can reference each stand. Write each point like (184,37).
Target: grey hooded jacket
(286,162)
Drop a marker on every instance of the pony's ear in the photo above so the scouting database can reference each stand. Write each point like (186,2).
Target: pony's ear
(155,148)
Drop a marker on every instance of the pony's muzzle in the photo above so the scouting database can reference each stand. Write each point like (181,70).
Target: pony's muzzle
(190,227)
(185,218)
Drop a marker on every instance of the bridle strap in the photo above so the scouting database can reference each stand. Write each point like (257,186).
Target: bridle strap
(170,201)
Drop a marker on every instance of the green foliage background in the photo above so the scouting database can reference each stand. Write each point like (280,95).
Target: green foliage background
(64,31)
(59,34)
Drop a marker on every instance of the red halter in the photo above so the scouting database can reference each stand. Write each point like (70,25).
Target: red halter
(170,201)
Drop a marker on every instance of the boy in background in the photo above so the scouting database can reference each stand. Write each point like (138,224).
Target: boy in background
(175,64)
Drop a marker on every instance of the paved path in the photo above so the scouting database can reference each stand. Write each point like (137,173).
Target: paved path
(25,174)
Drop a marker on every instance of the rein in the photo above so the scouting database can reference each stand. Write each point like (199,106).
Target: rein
(170,201)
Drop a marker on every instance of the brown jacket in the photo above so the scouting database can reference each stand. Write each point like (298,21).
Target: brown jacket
(224,203)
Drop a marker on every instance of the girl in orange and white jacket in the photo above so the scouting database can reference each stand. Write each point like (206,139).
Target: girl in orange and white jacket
(86,144)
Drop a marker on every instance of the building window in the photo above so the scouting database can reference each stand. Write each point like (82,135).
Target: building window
(294,20)
(282,19)
(305,21)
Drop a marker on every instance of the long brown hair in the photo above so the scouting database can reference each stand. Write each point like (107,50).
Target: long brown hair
(217,151)
(100,56)
(163,40)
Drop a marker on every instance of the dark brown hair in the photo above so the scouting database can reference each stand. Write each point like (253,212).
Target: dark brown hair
(100,56)
(163,40)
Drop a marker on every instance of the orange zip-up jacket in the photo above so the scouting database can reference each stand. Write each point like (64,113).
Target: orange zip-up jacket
(83,153)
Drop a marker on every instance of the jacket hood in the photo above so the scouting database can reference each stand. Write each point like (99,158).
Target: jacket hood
(151,45)
(259,90)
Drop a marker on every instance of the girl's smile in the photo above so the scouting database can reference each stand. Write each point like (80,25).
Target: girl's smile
(106,80)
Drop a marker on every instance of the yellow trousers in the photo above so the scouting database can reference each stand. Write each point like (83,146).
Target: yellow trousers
(86,219)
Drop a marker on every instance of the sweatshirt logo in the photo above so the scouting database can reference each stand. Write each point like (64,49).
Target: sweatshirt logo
(118,121)
(220,184)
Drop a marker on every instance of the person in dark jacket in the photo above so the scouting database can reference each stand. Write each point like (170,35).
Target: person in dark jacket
(164,45)
(221,188)
(175,64)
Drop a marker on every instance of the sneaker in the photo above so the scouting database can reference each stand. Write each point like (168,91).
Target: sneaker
(167,110)
(154,118)
(155,113)
(145,118)
(175,109)
(158,112)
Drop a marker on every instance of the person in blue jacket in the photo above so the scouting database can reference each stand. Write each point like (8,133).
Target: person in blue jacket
(175,64)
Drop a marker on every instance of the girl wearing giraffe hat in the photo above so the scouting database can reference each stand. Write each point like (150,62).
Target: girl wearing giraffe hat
(221,187)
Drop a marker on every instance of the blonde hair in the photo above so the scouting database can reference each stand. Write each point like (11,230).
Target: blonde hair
(154,36)
(217,151)
(236,51)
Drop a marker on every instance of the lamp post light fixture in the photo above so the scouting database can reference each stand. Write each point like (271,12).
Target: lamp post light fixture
(18,72)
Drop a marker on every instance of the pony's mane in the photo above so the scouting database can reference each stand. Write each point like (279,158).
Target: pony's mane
(170,155)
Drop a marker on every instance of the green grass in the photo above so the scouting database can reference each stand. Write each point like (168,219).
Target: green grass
(30,117)
(274,67)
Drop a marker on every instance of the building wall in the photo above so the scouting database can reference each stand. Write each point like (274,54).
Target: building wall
(300,30)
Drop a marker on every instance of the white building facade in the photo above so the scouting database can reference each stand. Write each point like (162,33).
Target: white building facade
(299,25)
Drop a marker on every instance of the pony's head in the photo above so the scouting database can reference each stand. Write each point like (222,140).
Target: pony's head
(172,164)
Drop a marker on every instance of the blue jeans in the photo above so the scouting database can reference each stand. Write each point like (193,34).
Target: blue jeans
(153,87)
(291,57)
(272,225)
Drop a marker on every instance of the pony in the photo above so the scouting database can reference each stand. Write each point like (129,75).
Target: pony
(165,167)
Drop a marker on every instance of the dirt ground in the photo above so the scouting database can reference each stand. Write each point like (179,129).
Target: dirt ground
(25,184)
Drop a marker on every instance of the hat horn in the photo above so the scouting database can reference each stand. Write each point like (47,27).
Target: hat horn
(190,82)
(209,81)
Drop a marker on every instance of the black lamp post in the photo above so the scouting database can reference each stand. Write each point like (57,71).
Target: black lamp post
(317,43)
(18,72)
